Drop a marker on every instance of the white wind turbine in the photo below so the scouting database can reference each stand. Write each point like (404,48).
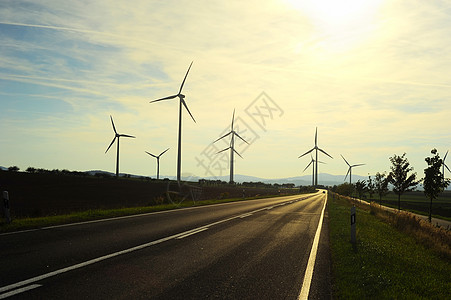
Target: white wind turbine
(117,136)
(350,169)
(158,161)
(181,102)
(312,162)
(233,133)
(316,148)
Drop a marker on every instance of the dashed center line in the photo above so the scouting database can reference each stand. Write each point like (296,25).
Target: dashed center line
(23,286)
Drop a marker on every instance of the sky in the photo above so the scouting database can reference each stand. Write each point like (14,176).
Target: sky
(372,76)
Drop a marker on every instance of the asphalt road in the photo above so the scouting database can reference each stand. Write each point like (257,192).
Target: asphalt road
(256,249)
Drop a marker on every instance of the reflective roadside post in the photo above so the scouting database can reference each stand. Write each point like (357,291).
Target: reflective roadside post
(353,224)
(6,206)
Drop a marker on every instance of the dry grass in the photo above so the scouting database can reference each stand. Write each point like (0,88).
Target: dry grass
(431,236)
(436,238)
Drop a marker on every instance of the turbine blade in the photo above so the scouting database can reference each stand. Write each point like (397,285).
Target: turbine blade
(126,135)
(114,128)
(307,166)
(445,156)
(163,152)
(183,82)
(184,104)
(240,137)
(150,154)
(447,169)
(223,150)
(233,118)
(358,165)
(112,142)
(345,160)
(347,173)
(306,152)
(316,136)
(237,153)
(325,153)
(165,98)
(223,136)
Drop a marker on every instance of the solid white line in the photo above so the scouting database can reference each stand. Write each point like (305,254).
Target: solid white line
(127,217)
(99,259)
(192,233)
(312,258)
(19,291)
(245,216)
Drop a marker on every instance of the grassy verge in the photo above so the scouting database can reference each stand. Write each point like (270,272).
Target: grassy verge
(384,263)
(40,222)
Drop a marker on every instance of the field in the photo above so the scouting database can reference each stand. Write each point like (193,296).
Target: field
(384,263)
(36,195)
(418,203)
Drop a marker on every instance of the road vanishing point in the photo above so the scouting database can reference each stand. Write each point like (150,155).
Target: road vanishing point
(273,248)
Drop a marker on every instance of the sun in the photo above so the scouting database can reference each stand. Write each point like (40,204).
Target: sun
(333,15)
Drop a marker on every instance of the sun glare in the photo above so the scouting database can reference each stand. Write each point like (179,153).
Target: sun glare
(333,15)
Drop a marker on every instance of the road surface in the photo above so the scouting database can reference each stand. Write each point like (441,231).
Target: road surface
(257,249)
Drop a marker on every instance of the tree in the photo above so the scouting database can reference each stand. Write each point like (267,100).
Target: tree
(31,170)
(13,169)
(381,185)
(360,187)
(399,176)
(370,186)
(344,189)
(433,182)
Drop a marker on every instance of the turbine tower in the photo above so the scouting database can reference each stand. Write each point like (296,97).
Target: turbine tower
(312,162)
(158,161)
(445,166)
(350,169)
(181,102)
(232,145)
(117,136)
(316,148)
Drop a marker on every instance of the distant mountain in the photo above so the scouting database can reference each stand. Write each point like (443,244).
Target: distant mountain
(3,168)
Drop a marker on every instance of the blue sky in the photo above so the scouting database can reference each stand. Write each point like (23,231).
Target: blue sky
(373,76)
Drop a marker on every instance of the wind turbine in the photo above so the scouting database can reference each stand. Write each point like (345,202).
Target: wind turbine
(313,173)
(232,145)
(350,169)
(117,135)
(444,165)
(316,148)
(181,102)
(158,161)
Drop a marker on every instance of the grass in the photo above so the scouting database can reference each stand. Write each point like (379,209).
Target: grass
(89,215)
(384,263)
(417,202)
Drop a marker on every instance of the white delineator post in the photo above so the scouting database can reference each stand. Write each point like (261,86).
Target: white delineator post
(353,224)
(6,206)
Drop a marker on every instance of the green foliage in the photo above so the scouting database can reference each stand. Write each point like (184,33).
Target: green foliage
(344,189)
(399,176)
(361,188)
(370,186)
(433,182)
(381,185)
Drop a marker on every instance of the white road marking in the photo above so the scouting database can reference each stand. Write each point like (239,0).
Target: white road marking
(126,217)
(245,216)
(192,232)
(105,257)
(312,258)
(19,291)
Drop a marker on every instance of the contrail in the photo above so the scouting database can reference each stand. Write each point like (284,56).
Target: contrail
(58,28)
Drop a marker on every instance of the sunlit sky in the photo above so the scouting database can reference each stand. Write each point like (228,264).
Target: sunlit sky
(373,76)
